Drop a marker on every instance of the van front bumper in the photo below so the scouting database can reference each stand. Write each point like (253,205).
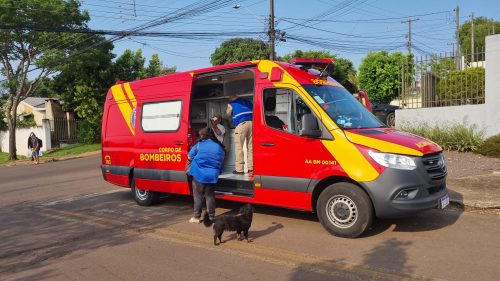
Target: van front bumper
(423,190)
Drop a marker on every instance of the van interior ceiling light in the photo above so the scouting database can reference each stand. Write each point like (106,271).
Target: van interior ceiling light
(395,161)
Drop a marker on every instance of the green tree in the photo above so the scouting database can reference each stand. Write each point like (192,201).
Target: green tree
(155,67)
(482,28)
(82,85)
(462,87)
(239,49)
(3,125)
(343,70)
(129,66)
(440,66)
(379,72)
(23,49)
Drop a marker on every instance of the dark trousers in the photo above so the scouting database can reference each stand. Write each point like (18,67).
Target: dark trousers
(200,192)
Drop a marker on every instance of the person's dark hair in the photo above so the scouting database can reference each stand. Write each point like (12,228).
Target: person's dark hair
(208,133)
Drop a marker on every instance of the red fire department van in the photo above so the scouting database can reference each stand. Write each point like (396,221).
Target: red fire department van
(316,148)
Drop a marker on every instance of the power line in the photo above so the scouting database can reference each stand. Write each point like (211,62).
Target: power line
(190,10)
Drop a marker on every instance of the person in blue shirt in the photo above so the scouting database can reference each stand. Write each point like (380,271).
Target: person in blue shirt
(241,111)
(207,156)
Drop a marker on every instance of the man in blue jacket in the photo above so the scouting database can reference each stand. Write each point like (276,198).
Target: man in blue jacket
(241,112)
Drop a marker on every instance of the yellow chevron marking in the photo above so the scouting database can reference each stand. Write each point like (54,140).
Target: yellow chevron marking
(381,145)
(123,105)
(350,159)
(130,94)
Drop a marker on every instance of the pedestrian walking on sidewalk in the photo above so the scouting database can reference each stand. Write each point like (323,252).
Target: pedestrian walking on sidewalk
(34,144)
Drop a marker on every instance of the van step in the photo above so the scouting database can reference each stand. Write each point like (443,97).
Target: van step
(234,191)
(232,183)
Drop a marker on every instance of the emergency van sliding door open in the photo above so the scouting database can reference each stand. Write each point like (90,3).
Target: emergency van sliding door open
(210,97)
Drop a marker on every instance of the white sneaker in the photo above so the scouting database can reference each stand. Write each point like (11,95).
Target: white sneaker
(194,220)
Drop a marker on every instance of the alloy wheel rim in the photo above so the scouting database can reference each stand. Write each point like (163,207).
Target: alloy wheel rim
(141,194)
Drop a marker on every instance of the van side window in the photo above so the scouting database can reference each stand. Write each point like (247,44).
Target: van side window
(161,116)
(283,109)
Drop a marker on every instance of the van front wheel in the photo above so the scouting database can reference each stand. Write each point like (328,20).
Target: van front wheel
(143,197)
(345,210)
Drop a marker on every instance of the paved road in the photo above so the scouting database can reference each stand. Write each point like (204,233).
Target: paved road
(61,221)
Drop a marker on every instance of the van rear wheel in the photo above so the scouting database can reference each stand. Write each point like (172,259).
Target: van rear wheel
(143,197)
(345,210)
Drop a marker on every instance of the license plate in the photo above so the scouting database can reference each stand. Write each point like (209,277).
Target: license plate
(444,201)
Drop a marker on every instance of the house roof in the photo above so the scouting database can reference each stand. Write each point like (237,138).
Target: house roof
(36,102)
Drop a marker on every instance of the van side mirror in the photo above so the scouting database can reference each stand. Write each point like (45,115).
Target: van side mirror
(310,127)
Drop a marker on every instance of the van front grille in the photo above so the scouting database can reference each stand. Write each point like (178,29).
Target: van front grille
(435,166)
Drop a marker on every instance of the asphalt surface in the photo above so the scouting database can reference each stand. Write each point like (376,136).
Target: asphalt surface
(61,221)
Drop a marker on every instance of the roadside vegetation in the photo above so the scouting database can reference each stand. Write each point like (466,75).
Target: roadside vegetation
(490,147)
(4,157)
(457,137)
(74,149)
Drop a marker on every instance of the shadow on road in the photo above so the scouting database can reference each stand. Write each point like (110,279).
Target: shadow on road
(32,234)
(385,261)
(425,221)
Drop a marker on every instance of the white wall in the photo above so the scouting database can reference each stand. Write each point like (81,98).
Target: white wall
(22,135)
(485,117)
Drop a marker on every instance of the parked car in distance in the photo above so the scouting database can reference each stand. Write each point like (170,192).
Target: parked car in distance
(384,112)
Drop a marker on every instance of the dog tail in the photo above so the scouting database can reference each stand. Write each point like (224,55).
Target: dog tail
(206,220)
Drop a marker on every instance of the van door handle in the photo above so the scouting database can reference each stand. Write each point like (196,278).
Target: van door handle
(178,142)
(267,144)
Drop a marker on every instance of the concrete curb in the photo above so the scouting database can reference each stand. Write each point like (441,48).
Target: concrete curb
(480,192)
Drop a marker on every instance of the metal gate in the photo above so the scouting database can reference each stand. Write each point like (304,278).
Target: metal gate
(63,131)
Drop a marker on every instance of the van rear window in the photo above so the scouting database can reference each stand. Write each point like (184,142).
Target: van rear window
(161,116)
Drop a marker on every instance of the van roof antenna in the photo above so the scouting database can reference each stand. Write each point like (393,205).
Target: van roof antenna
(323,73)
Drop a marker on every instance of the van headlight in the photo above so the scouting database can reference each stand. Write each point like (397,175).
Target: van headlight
(395,161)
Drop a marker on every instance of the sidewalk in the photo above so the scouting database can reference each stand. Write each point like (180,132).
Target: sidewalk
(473,180)
(476,192)
(47,159)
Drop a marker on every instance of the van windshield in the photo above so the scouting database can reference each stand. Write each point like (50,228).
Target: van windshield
(342,107)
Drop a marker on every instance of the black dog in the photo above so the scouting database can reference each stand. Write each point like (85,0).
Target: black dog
(239,223)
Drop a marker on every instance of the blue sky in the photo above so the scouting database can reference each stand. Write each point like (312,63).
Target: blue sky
(347,28)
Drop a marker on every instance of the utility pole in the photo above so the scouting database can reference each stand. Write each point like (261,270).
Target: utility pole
(272,55)
(472,37)
(457,38)
(271,32)
(409,21)
(453,47)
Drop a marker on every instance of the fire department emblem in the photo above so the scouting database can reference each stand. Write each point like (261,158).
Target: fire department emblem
(132,117)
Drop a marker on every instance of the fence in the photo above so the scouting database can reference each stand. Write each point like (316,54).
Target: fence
(63,130)
(442,80)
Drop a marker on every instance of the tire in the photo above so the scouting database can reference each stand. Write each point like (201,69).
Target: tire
(143,197)
(345,210)
(391,120)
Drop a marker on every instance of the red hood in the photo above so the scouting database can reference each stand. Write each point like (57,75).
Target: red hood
(393,141)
